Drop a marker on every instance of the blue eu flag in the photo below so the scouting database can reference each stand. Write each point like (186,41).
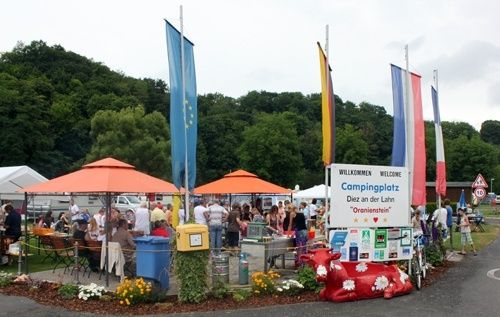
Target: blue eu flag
(182,133)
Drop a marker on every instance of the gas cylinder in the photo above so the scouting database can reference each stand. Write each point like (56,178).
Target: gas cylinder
(243,269)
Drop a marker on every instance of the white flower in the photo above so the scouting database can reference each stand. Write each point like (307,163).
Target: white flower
(279,289)
(349,285)
(361,267)
(321,270)
(403,277)
(286,287)
(381,283)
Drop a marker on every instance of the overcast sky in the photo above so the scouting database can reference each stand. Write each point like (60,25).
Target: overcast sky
(270,45)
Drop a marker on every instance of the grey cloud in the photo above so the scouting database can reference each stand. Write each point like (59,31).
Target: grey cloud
(494,94)
(476,60)
(414,44)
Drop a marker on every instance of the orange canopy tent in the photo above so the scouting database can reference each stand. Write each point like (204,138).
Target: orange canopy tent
(241,182)
(104,176)
(108,176)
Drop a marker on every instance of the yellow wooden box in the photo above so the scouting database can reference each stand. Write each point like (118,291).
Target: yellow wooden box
(192,237)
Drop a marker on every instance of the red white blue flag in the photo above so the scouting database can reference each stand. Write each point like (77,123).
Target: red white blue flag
(440,162)
(408,148)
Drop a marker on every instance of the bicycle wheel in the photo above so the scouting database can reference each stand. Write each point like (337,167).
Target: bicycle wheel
(423,263)
(416,273)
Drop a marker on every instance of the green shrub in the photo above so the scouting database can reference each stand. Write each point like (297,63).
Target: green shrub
(307,277)
(220,290)
(6,279)
(241,294)
(434,255)
(68,291)
(191,273)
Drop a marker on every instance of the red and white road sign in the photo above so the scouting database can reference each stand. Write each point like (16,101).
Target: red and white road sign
(480,192)
(479,182)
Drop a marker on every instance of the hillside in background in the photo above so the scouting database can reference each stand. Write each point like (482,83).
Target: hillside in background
(59,110)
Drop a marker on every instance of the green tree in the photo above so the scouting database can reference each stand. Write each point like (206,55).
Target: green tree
(270,148)
(466,158)
(350,146)
(132,136)
(490,131)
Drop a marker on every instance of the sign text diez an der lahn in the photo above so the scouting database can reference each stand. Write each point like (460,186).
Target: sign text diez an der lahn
(369,196)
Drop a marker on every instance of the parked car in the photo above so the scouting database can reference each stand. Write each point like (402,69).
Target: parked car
(126,202)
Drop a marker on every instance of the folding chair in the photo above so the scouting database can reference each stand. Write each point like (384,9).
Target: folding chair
(63,252)
(47,247)
(83,261)
(478,224)
(94,248)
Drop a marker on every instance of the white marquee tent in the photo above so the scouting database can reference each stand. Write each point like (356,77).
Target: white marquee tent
(317,191)
(13,178)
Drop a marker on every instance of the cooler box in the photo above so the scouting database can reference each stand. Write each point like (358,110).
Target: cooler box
(153,259)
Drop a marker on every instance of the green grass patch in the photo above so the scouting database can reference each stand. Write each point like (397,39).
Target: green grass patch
(35,263)
(480,239)
(490,211)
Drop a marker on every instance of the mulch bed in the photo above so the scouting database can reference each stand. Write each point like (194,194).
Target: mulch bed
(47,294)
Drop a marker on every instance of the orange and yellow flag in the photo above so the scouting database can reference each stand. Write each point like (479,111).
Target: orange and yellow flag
(327,109)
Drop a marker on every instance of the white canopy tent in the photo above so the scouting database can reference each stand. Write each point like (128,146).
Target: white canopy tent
(13,178)
(317,191)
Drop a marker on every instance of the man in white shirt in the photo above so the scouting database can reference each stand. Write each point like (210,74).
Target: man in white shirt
(199,213)
(100,218)
(183,218)
(313,209)
(142,218)
(439,217)
(74,210)
(216,214)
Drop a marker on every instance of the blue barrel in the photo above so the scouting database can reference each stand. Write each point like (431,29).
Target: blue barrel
(153,259)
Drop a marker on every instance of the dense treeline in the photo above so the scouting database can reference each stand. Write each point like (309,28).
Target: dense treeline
(59,110)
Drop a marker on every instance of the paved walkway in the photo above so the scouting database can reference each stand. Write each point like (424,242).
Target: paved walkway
(471,288)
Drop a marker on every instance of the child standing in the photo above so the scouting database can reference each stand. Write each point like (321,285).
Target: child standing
(465,231)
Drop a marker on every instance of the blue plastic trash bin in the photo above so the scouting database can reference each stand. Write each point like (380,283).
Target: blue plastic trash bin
(153,259)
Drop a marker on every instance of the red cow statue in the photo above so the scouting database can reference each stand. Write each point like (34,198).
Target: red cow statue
(348,281)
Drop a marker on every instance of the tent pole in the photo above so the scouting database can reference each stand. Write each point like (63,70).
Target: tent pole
(26,233)
(108,234)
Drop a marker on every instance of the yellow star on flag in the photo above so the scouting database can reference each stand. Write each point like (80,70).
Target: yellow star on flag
(365,220)
(355,219)
(385,219)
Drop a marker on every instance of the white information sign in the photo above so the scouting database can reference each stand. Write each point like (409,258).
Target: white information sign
(369,196)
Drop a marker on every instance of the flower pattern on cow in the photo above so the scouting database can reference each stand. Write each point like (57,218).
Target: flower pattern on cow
(349,285)
(361,267)
(403,277)
(321,270)
(334,266)
(381,283)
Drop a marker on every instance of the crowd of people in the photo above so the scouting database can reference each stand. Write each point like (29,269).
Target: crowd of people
(438,224)
(232,222)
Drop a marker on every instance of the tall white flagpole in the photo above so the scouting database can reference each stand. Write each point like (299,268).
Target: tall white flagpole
(435,73)
(408,121)
(327,69)
(183,75)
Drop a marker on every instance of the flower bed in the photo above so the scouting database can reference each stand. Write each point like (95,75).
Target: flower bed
(97,301)
(47,294)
